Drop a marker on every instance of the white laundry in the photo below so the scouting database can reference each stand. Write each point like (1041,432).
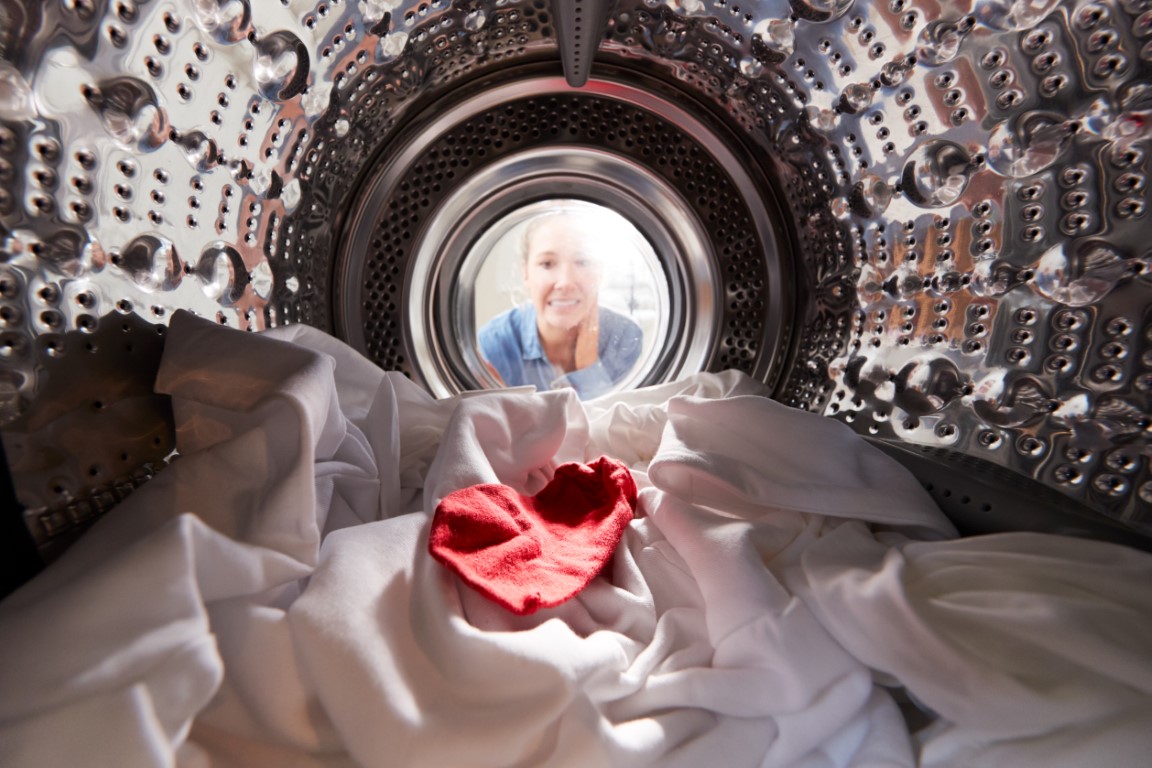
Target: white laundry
(268,600)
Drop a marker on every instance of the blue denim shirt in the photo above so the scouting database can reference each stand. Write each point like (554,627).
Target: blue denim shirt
(509,342)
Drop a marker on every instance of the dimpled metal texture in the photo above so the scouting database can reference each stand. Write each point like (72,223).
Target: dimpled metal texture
(965,185)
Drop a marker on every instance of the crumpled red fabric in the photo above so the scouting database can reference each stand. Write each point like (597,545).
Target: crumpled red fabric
(532,552)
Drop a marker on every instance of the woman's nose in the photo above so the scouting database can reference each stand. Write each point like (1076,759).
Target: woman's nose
(566,274)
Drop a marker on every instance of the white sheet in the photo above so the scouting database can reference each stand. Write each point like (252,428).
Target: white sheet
(268,600)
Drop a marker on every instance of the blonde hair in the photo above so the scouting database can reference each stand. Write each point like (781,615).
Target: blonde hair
(571,209)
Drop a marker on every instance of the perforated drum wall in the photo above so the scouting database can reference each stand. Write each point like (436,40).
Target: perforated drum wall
(583,120)
(925,219)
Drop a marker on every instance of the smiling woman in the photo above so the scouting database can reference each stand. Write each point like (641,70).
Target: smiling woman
(569,260)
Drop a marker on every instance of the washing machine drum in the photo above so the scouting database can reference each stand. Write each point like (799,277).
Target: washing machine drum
(927,221)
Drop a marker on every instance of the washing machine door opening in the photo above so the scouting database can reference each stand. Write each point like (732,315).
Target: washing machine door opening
(432,274)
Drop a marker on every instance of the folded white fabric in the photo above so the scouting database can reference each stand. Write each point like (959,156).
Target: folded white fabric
(750,456)
(268,600)
(113,650)
(1034,650)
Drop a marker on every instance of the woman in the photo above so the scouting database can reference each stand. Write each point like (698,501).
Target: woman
(561,337)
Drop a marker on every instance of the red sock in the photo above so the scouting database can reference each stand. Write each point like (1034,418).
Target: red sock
(532,552)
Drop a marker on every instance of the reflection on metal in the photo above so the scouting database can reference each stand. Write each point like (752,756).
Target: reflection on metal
(965,190)
(96,431)
(580,27)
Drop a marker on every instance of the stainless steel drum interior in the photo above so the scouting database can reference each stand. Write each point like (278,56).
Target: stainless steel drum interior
(927,220)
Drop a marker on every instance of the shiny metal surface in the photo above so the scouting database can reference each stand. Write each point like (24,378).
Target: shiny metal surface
(964,188)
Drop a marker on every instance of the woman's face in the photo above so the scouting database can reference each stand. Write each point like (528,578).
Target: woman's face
(561,272)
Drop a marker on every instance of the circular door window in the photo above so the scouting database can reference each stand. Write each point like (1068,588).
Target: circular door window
(562,293)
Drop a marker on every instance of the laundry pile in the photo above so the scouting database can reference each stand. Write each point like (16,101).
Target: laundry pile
(775,588)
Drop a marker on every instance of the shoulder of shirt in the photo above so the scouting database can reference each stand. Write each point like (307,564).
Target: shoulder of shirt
(504,325)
